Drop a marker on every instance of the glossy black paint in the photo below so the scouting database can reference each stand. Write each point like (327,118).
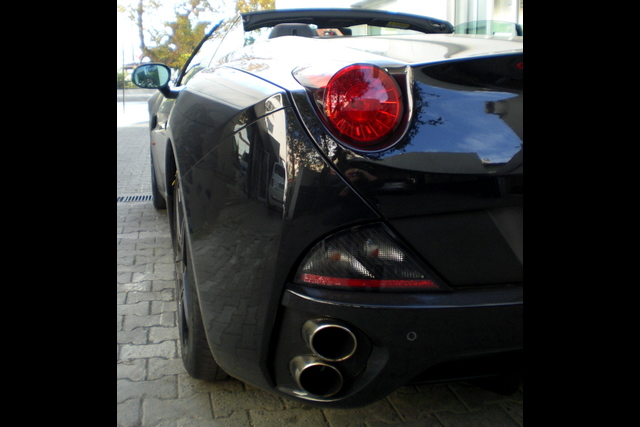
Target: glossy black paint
(451,189)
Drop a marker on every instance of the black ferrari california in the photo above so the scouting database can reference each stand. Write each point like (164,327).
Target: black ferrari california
(345,192)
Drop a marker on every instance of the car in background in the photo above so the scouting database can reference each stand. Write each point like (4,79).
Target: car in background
(346,209)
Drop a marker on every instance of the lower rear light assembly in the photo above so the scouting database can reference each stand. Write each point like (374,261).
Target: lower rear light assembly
(366,258)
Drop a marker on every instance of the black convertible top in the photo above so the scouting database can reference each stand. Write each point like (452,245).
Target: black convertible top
(339,18)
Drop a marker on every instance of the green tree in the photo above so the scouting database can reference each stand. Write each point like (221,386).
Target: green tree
(173,44)
(174,41)
(177,40)
(251,5)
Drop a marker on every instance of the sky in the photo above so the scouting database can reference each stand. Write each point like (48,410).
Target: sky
(128,41)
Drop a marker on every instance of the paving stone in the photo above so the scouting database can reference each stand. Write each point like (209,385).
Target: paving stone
(487,416)
(132,369)
(307,417)
(163,319)
(419,404)
(134,287)
(163,388)
(140,308)
(159,334)
(475,398)
(381,412)
(129,413)
(236,419)
(514,410)
(166,349)
(226,401)
(136,336)
(159,367)
(196,407)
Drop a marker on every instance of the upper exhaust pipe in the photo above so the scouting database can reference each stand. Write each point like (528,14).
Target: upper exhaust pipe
(329,340)
(315,377)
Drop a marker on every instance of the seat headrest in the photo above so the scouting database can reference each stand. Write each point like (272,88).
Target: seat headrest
(300,30)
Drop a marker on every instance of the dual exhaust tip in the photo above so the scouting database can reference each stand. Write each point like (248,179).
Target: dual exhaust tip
(330,341)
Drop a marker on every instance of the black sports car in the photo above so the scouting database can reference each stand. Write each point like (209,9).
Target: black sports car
(346,208)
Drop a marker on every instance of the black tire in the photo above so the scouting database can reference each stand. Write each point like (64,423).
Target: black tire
(196,355)
(159,201)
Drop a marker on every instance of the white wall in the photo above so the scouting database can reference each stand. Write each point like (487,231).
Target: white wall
(507,10)
(440,9)
(305,4)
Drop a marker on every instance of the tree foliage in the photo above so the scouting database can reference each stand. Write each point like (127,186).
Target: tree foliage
(173,43)
(176,42)
(251,5)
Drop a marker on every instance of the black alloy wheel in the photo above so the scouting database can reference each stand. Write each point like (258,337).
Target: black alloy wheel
(196,355)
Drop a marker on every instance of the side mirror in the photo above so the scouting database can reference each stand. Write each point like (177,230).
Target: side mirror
(153,76)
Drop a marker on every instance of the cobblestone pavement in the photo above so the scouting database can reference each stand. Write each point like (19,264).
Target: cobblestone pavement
(153,388)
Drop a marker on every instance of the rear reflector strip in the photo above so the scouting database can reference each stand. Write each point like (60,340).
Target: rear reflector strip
(367,283)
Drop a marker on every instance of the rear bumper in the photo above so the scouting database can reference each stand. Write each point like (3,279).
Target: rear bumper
(400,338)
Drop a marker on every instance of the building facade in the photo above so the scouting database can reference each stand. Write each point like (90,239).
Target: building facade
(454,11)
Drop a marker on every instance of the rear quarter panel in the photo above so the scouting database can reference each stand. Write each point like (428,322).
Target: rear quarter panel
(229,129)
(222,157)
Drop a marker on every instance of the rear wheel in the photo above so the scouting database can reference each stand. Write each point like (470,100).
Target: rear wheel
(196,355)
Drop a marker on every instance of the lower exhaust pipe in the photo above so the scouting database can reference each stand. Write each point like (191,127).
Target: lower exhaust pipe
(316,377)
(329,340)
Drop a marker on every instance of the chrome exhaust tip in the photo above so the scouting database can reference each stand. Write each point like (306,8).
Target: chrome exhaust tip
(316,377)
(329,340)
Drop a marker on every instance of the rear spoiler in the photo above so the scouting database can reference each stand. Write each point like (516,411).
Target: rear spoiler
(339,18)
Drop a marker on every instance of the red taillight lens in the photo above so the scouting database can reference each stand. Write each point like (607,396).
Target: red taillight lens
(363,105)
(366,258)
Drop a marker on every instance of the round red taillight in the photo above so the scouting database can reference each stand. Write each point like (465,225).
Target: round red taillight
(363,105)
